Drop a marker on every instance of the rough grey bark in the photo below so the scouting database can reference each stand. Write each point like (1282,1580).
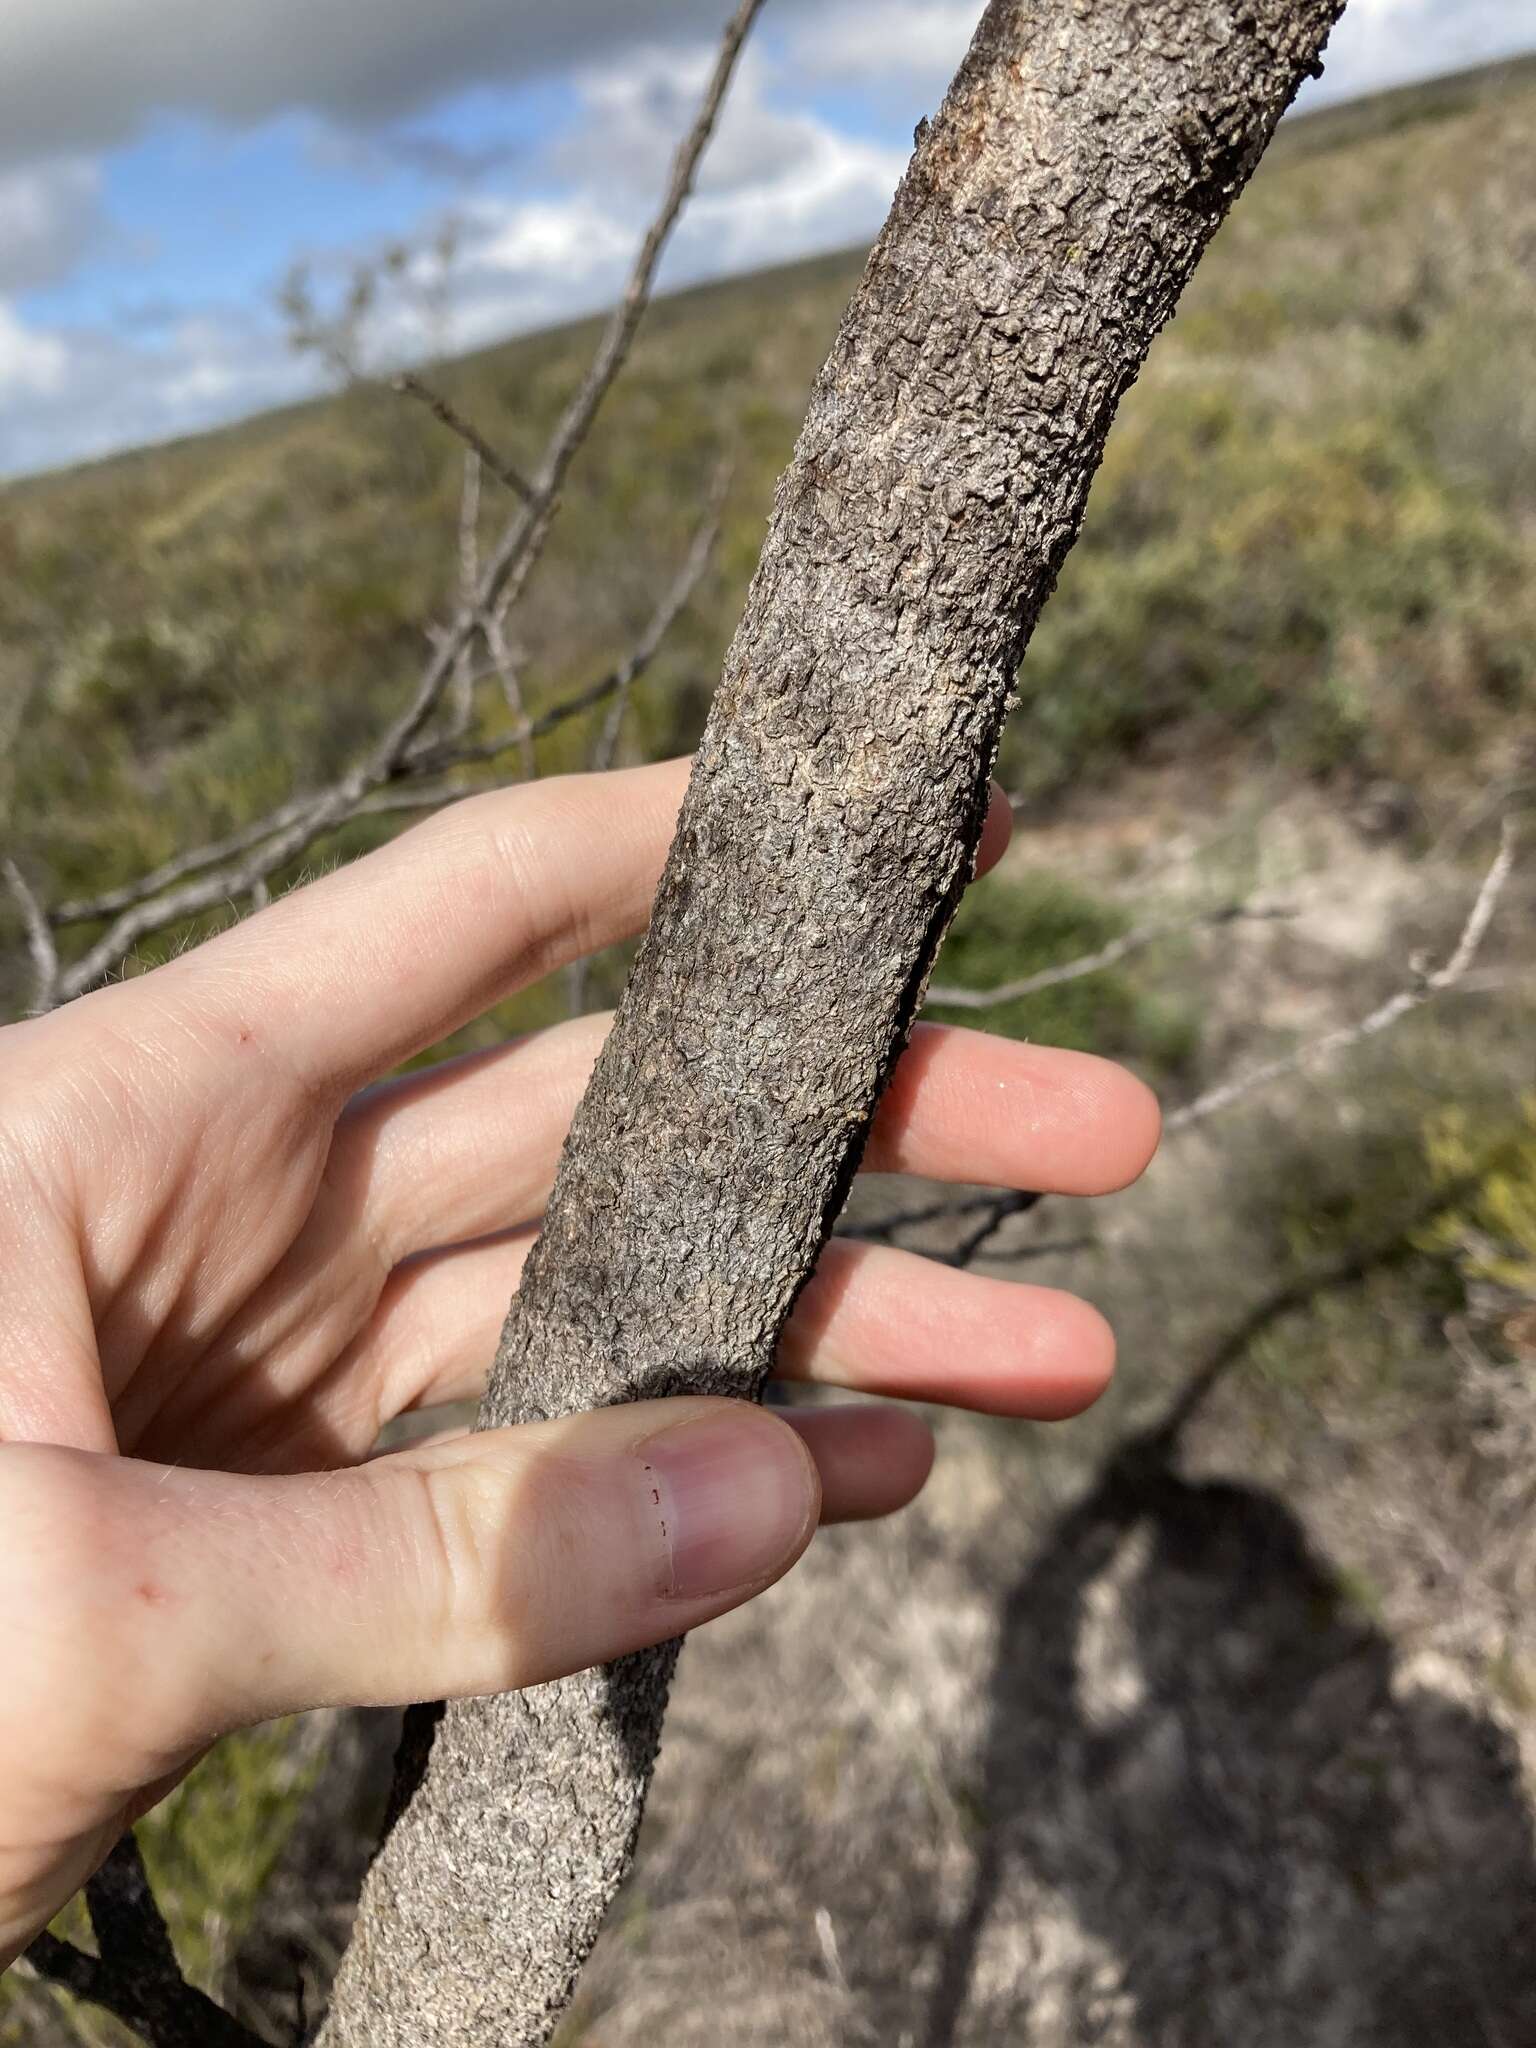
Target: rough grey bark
(1050,217)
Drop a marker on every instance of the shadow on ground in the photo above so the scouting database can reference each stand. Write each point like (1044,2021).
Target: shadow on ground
(1209,1754)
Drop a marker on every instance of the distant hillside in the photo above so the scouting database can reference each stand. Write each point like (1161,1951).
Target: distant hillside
(1311,544)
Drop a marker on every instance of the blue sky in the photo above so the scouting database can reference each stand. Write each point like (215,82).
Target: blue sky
(164,163)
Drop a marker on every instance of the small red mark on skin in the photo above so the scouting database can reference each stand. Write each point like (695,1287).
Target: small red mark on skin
(344,1561)
(151,1594)
(245,1035)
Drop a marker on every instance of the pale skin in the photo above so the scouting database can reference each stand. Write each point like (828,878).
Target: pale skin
(231,1254)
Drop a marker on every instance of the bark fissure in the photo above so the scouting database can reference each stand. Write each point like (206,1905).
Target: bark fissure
(1053,212)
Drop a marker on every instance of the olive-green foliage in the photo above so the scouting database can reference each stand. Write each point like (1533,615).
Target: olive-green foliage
(209,1849)
(1491,1234)
(1312,539)
(1376,1160)
(1009,929)
(1312,535)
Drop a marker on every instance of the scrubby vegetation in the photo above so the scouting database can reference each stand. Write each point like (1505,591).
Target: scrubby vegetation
(1312,542)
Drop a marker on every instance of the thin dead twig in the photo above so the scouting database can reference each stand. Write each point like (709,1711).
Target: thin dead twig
(508,669)
(687,580)
(41,950)
(952,998)
(1420,990)
(442,409)
(605,747)
(523,540)
(91,909)
(462,696)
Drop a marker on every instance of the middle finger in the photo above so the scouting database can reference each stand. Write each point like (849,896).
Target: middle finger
(470,1147)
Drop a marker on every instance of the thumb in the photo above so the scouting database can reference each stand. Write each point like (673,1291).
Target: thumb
(475,1565)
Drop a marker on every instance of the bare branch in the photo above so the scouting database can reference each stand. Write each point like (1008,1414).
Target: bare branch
(463,694)
(88,909)
(606,745)
(989,1205)
(952,998)
(623,324)
(260,850)
(136,1976)
(1422,989)
(994,1210)
(508,669)
(443,409)
(523,540)
(401,750)
(41,949)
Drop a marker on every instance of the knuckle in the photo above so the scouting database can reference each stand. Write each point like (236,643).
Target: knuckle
(466,1523)
(497,1531)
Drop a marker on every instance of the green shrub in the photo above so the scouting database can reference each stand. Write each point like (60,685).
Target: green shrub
(1007,929)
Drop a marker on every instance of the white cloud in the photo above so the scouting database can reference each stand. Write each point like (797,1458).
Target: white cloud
(85,74)
(32,365)
(70,394)
(913,45)
(777,183)
(49,214)
(781,180)
(830,190)
(549,238)
(1381,43)
(81,75)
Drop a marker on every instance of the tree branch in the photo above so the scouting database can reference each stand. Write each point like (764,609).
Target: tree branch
(993,1211)
(135,1976)
(1422,989)
(953,998)
(522,541)
(91,909)
(41,950)
(409,385)
(1040,239)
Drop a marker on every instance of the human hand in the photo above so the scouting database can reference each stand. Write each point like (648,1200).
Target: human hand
(230,1257)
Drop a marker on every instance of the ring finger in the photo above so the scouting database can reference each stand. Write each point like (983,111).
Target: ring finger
(872,1320)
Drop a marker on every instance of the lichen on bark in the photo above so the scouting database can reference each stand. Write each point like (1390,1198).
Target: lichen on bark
(1052,214)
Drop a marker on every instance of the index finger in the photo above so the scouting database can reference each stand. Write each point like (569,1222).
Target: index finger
(354,973)
(351,974)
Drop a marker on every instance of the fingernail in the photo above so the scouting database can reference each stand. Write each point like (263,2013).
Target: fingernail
(734,1497)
